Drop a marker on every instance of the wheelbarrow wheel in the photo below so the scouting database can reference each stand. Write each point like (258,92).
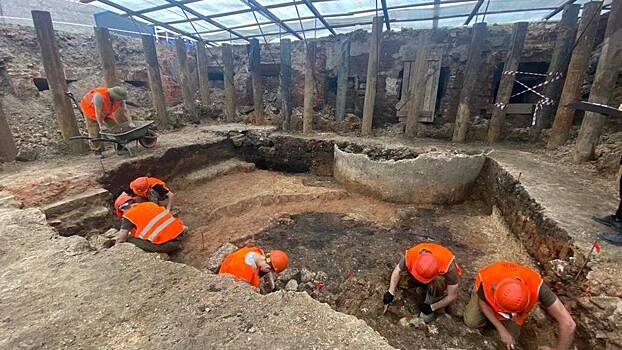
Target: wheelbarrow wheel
(149,140)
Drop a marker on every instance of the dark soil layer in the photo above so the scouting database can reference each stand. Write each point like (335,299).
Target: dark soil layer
(358,259)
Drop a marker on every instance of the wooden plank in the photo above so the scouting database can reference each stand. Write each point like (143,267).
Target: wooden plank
(495,129)
(577,69)
(416,89)
(307,113)
(8,151)
(470,84)
(55,75)
(342,81)
(285,82)
(202,67)
(602,87)
(254,66)
(155,80)
(559,64)
(433,74)
(227,59)
(372,72)
(184,77)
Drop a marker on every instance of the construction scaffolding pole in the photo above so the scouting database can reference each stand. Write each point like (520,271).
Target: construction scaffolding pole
(577,69)
(470,86)
(372,72)
(285,82)
(495,129)
(557,68)
(55,75)
(155,80)
(602,87)
(307,113)
(227,60)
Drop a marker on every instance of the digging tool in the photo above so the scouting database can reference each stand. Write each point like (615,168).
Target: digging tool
(595,246)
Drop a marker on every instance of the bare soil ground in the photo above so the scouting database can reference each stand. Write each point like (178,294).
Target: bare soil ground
(356,241)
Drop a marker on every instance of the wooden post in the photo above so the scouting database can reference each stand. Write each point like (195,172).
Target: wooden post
(184,77)
(227,59)
(342,81)
(254,66)
(559,63)
(602,87)
(307,112)
(106,55)
(8,151)
(416,90)
(56,79)
(576,73)
(285,83)
(155,80)
(372,72)
(495,129)
(469,85)
(202,67)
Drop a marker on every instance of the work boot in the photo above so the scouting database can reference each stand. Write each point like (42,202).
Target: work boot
(609,220)
(613,238)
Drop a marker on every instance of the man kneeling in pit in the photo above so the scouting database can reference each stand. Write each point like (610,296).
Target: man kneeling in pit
(149,226)
(433,267)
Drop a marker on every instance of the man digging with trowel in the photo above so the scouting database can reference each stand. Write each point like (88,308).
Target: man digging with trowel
(103,108)
(434,267)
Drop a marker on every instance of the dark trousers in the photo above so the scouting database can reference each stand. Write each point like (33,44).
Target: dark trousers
(167,247)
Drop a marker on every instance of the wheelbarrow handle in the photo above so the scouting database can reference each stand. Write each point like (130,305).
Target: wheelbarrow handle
(95,139)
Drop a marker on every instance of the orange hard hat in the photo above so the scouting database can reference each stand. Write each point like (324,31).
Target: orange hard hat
(140,186)
(120,201)
(425,267)
(511,295)
(277,259)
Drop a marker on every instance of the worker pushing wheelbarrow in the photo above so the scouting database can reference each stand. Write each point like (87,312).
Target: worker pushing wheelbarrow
(107,120)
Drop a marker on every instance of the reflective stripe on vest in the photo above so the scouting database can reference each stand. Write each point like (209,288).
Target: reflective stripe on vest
(443,255)
(491,275)
(153,223)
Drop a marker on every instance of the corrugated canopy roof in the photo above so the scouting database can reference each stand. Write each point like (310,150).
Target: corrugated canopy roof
(216,21)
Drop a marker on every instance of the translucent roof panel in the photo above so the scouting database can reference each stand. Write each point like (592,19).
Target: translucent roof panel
(343,15)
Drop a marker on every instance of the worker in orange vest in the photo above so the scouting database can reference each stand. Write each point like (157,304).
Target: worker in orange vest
(250,264)
(433,266)
(101,107)
(150,189)
(505,293)
(149,226)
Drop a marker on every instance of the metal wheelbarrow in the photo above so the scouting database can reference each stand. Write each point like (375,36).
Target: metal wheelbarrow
(122,134)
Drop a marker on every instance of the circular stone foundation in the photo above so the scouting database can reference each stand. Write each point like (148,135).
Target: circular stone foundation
(437,177)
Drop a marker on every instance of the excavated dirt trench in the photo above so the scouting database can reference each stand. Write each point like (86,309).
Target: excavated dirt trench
(343,245)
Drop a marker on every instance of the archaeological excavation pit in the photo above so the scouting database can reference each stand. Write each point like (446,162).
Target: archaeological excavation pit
(344,234)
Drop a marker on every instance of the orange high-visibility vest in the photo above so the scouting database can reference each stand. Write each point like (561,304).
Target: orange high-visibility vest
(492,274)
(234,265)
(153,223)
(443,255)
(108,107)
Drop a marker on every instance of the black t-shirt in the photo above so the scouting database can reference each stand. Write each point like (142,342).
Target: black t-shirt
(126,224)
(158,188)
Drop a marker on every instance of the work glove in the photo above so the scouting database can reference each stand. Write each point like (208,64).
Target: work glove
(426,309)
(387,298)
